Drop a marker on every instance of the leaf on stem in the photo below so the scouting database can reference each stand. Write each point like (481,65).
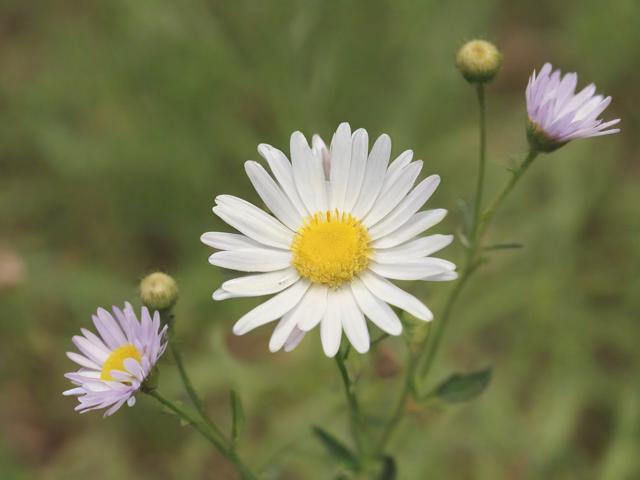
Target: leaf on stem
(461,387)
(237,415)
(337,449)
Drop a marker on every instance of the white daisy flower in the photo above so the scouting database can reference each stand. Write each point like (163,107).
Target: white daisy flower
(346,220)
(557,114)
(115,364)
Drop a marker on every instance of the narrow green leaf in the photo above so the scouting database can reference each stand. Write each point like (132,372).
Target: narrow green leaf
(504,246)
(237,415)
(337,449)
(461,387)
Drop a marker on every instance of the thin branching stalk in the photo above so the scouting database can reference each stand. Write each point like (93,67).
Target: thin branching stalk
(420,365)
(206,430)
(169,318)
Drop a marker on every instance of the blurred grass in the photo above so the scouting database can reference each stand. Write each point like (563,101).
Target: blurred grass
(119,123)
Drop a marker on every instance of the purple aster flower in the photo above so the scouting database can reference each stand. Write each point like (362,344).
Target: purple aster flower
(116,364)
(558,115)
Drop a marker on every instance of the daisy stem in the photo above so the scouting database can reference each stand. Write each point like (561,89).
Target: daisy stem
(483,156)
(206,430)
(352,401)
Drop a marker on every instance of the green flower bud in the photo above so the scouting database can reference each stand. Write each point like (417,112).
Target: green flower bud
(478,61)
(158,291)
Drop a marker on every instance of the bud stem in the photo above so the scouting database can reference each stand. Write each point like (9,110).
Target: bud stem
(168,318)
(482,159)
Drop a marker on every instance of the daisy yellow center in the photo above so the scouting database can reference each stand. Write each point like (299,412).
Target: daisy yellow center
(115,361)
(331,248)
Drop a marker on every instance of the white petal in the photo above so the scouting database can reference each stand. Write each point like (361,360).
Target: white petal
(373,176)
(262,284)
(272,309)
(221,294)
(331,328)
(393,172)
(228,241)
(413,269)
(294,339)
(312,307)
(375,309)
(321,153)
(388,292)
(353,323)
(407,207)
(418,248)
(282,171)
(252,260)
(392,194)
(253,222)
(273,196)
(420,222)
(340,166)
(442,277)
(308,175)
(359,150)
(283,329)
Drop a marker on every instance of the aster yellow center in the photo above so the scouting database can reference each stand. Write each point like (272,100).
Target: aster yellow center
(331,248)
(115,361)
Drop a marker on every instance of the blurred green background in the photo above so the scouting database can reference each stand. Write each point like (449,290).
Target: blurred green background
(121,120)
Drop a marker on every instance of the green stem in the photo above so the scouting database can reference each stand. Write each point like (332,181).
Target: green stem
(483,156)
(422,363)
(487,216)
(169,318)
(186,381)
(219,442)
(352,402)
(399,409)
(432,342)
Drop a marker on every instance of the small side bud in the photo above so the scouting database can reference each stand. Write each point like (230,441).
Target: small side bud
(478,61)
(540,141)
(158,291)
